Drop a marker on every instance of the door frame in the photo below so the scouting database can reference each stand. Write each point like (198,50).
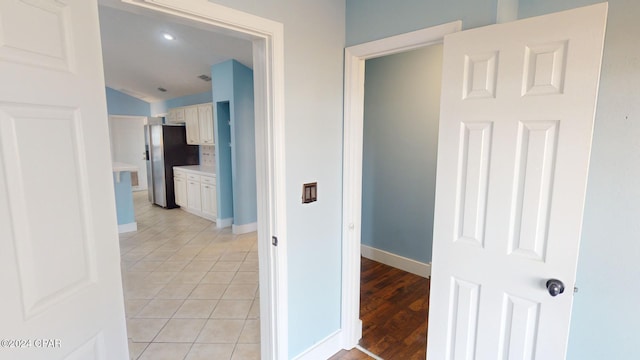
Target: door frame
(267,37)
(355,57)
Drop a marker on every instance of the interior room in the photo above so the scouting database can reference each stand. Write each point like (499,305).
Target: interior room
(529,87)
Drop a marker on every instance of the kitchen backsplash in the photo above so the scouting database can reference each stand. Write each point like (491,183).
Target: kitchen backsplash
(207,155)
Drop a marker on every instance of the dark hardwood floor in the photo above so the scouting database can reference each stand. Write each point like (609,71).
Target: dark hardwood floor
(394,308)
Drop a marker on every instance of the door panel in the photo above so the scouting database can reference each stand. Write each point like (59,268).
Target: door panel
(518,103)
(60,263)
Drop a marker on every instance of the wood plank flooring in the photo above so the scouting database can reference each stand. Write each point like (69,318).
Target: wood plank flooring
(394,308)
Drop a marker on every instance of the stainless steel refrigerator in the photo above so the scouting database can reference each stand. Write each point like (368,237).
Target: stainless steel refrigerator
(166,146)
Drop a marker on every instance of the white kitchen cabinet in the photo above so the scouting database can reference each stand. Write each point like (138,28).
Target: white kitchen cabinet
(196,188)
(205,123)
(180,188)
(194,197)
(171,116)
(209,196)
(192,123)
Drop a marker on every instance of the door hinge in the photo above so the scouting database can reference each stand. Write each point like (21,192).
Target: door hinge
(274,240)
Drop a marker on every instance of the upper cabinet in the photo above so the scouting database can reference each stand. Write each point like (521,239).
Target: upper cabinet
(198,120)
(205,123)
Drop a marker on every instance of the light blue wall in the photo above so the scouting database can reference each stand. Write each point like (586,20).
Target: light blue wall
(313,81)
(401,114)
(124,198)
(119,103)
(369,20)
(224,181)
(162,107)
(605,319)
(233,84)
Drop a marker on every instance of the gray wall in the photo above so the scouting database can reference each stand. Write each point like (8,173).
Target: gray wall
(605,321)
(401,113)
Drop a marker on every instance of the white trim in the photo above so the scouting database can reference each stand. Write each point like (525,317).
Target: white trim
(124,228)
(224,223)
(324,349)
(245,228)
(268,70)
(397,261)
(355,57)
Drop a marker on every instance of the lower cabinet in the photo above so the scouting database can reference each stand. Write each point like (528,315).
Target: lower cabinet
(196,193)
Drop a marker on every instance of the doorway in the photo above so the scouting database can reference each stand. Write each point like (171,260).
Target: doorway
(268,60)
(126,134)
(353,196)
(400,140)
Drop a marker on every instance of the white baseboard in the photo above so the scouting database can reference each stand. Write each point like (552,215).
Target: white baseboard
(396,261)
(324,349)
(223,223)
(124,228)
(243,229)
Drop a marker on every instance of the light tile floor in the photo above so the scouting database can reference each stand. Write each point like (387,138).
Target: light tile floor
(191,290)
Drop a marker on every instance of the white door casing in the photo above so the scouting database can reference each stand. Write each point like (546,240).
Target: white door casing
(517,111)
(60,261)
(355,57)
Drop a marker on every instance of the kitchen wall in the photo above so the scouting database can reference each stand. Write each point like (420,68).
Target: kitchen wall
(605,316)
(401,114)
(313,75)
(119,103)
(233,90)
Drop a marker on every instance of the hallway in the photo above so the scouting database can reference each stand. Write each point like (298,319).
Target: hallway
(191,290)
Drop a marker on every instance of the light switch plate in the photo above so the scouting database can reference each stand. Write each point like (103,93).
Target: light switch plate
(309,192)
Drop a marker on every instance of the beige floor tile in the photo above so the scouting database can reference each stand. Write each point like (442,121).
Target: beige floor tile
(218,277)
(250,333)
(173,265)
(160,277)
(144,265)
(143,291)
(210,352)
(165,351)
(199,265)
(245,277)
(249,265)
(144,330)
(254,312)
(232,309)
(159,309)
(135,349)
(180,330)
(196,309)
(188,277)
(176,291)
(240,292)
(221,331)
(234,256)
(226,266)
(133,306)
(157,255)
(208,291)
(246,352)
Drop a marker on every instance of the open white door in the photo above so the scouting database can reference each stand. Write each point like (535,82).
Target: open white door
(127,145)
(59,258)
(517,113)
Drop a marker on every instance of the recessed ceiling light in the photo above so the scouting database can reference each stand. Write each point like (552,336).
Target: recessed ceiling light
(168,36)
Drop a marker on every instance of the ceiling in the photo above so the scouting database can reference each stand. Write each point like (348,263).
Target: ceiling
(138,60)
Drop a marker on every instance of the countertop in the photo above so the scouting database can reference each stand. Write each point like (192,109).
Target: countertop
(119,166)
(203,170)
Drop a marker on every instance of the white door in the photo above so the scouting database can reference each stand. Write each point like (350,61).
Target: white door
(127,144)
(518,103)
(61,292)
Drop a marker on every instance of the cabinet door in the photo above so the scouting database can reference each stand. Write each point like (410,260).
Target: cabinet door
(171,116)
(194,200)
(179,115)
(193,128)
(209,206)
(180,186)
(205,121)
